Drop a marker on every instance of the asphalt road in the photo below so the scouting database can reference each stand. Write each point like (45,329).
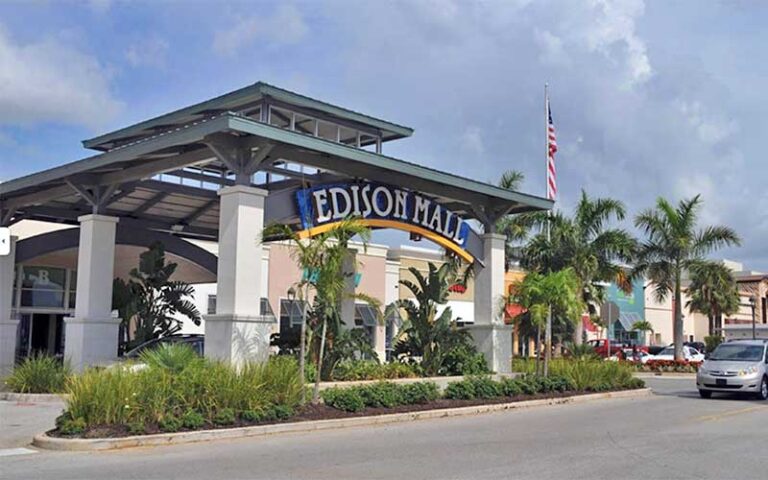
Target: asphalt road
(670,435)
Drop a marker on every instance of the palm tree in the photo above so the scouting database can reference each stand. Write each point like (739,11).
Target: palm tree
(675,244)
(713,292)
(585,244)
(642,326)
(424,333)
(557,290)
(323,257)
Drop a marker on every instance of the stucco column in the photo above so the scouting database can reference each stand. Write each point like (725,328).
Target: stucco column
(492,337)
(8,326)
(238,332)
(91,336)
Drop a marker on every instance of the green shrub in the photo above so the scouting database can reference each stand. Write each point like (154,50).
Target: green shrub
(225,416)
(39,374)
(464,360)
(192,420)
(252,416)
(174,357)
(529,384)
(461,390)
(137,428)
(635,383)
(121,396)
(511,387)
(281,412)
(394,370)
(169,424)
(486,387)
(346,399)
(381,394)
(585,374)
(419,393)
(72,426)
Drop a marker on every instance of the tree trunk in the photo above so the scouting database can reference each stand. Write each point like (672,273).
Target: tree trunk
(548,342)
(538,348)
(316,390)
(303,354)
(711,319)
(677,331)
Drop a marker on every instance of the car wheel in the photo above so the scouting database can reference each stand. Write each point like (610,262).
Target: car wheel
(705,394)
(763,393)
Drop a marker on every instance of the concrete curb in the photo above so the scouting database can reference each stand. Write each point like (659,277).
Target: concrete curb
(81,444)
(32,397)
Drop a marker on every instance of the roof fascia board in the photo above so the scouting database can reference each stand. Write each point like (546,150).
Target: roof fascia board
(185,135)
(220,102)
(365,157)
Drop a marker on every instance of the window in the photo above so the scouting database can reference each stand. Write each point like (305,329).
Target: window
(280,117)
(291,313)
(43,287)
(211,304)
(365,316)
(305,124)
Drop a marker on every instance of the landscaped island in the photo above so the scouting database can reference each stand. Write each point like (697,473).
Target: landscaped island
(174,391)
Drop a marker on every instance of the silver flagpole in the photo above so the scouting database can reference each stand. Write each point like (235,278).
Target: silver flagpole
(550,194)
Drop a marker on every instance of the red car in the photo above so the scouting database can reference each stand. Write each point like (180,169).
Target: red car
(616,346)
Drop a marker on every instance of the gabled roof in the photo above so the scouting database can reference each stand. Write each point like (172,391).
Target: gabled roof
(234,102)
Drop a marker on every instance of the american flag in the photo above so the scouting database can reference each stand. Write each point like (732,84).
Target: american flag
(551,150)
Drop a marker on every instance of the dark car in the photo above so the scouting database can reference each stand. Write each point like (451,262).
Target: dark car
(194,340)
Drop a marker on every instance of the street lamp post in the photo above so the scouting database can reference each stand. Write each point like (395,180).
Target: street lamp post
(752,304)
(302,342)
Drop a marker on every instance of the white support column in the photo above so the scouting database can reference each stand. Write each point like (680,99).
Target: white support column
(8,326)
(492,337)
(91,336)
(238,332)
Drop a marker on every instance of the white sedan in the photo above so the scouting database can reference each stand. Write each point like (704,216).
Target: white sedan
(689,353)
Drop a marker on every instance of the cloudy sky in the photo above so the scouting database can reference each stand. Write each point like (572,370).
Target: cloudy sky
(649,98)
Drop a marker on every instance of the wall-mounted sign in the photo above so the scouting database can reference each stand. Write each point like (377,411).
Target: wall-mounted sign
(383,206)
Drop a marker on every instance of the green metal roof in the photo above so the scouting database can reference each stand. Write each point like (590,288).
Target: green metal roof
(239,98)
(310,150)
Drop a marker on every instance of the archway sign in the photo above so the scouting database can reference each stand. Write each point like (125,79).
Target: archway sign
(378,205)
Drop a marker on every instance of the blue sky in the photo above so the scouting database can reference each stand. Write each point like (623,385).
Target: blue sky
(649,98)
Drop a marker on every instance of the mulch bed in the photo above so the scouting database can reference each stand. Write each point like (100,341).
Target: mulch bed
(321,412)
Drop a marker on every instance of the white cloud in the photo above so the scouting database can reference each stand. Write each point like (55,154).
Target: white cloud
(148,52)
(710,129)
(552,50)
(285,26)
(614,24)
(49,81)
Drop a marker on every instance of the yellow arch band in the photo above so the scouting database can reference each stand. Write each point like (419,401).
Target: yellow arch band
(406,227)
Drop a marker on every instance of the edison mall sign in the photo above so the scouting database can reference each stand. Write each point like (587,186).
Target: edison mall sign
(380,205)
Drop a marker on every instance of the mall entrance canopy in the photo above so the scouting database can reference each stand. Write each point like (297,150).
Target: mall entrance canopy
(222,169)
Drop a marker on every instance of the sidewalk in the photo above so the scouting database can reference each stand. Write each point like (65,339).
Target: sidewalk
(20,421)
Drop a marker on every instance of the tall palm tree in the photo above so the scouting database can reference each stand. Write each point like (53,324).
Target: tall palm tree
(675,244)
(585,243)
(713,292)
(323,257)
